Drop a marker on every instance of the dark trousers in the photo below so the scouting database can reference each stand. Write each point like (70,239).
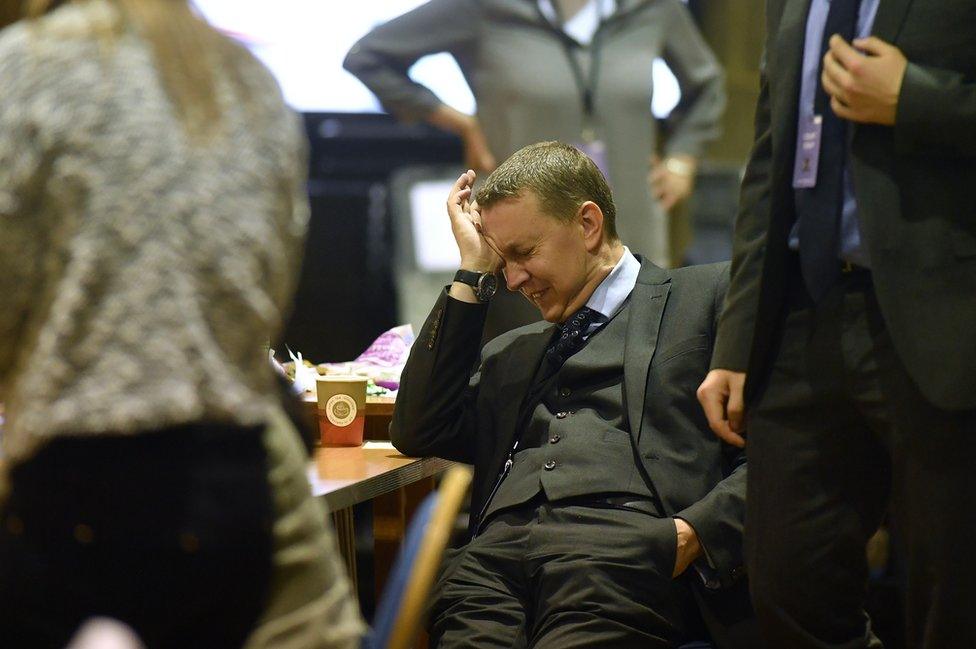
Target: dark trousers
(545,575)
(838,433)
(168,532)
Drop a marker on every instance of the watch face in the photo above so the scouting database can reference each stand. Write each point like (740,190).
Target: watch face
(487,286)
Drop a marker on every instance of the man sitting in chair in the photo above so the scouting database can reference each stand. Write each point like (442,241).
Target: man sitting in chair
(604,511)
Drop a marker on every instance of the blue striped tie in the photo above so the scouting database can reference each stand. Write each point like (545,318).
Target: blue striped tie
(818,208)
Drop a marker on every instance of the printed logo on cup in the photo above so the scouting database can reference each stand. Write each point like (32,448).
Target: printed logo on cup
(340,409)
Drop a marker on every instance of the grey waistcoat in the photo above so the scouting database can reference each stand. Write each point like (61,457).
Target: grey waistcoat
(577,441)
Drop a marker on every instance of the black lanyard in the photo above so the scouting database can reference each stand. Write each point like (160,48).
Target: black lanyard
(585,87)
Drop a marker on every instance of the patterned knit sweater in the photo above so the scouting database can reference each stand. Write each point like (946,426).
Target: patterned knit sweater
(141,274)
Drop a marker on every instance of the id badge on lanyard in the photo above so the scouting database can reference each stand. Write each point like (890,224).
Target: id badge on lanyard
(595,149)
(807,153)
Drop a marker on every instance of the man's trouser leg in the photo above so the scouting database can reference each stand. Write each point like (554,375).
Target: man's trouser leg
(933,495)
(570,576)
(479,599)
(837,428)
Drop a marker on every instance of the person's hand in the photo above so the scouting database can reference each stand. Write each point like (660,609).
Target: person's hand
(668,186)
(689,547)
(721,397)
(477,155)
(476,254)
(863,81)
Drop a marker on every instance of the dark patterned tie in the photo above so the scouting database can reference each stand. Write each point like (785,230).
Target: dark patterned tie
(818,208)
(571,335)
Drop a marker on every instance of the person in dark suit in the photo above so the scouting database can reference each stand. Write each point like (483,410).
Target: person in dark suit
(604,513)
(845,349)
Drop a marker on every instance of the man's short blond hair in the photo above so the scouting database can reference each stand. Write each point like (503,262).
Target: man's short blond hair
(562,178)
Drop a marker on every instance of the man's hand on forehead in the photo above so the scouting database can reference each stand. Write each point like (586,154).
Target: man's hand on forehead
(476,253)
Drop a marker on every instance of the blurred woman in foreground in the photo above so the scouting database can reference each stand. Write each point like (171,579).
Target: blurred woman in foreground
(152,211)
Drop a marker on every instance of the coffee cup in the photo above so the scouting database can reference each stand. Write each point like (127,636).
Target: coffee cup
(342,409)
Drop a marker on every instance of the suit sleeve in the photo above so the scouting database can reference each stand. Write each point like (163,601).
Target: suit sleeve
(435,407)
(719,518)
(936,113)
(382,58)
(695,120)
(734,338)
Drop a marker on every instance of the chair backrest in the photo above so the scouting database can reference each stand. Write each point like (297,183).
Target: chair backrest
(404,598)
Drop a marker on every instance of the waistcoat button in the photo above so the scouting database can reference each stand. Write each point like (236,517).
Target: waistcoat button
(550,465)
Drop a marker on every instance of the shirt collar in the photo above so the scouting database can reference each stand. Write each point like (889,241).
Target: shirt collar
(613,291)
(584,24)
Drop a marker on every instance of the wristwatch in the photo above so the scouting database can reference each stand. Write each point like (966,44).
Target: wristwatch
(484,284)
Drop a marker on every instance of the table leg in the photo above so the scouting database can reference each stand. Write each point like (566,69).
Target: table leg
(346,535)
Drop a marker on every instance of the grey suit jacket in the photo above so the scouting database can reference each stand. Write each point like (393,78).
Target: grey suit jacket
(914,184)
(515,64)
(449,408)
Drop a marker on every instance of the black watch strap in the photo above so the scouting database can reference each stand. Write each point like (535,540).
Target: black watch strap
(469,277)
(483,284)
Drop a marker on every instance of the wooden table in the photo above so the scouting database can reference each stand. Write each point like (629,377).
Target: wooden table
(344,476)
(375,472)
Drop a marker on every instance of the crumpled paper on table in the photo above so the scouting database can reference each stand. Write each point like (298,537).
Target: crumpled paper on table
(305,377)
(383,360)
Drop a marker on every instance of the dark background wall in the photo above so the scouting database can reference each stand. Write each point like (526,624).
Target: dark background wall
(346,296)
